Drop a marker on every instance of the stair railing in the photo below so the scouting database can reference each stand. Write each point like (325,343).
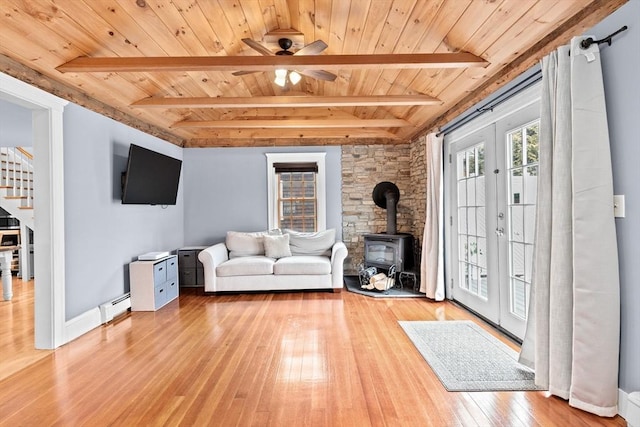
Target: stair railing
(17,173)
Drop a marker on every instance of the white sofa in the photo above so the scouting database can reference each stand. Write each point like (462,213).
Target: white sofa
(265,261)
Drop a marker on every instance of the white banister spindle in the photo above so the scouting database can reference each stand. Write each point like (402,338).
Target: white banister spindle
(4,155)
(21,192)
(14,173)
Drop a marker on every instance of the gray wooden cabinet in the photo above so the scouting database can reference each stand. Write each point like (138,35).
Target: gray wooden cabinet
(191,270)
(153,283)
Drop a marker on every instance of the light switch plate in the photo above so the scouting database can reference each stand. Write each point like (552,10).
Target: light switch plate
(618,206)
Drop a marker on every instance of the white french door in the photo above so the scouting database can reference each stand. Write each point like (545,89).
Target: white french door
(473,212)
(492,192)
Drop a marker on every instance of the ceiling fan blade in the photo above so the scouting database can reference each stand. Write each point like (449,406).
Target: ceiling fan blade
(319,74)
(312,48)
(242,73)
(258,47)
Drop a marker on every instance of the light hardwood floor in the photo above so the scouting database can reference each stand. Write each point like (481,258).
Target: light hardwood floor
(276,359)
(16,330)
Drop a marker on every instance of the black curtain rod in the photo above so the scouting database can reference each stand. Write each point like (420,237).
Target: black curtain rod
(489,106)
(529,81)
(586,43)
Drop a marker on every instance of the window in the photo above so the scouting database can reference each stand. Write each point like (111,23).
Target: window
(296,191)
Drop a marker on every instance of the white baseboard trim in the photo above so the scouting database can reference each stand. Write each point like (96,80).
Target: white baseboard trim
(628,410)
(82,324)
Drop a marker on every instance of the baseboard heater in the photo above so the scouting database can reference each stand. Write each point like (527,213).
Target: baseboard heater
(111,309)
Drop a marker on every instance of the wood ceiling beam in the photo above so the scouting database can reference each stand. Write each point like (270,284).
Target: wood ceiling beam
(293,134)
(287,101)
(294,124)
(86,64)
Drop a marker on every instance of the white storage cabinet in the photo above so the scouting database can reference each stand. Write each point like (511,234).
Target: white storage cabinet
(153,283)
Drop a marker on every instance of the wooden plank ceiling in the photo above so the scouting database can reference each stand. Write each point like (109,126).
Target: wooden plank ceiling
(392,101)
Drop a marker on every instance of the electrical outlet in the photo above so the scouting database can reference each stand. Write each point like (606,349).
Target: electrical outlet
(618,206)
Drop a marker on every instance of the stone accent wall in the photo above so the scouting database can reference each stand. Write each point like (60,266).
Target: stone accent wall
(419,186)
(363,166)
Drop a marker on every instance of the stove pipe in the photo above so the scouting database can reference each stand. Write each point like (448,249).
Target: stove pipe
(386,195)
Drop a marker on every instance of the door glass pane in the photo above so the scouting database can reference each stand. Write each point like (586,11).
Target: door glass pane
(464,276)
(473,279)
(462,221)
(471,163)
(532,132)
(480,191)
(462,192)
(515,139)
(530,185)
(471,221)
(516,187)
(473,250)
(471,191)
(519,296)
(517,260)
(522,144)
(529,223)
(483,283)
(480,222)
(462,245)
(517,223)
(482,252)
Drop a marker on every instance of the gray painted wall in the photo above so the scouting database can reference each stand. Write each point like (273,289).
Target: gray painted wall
(101,235)
(226,189)
(620,65)
(15,125)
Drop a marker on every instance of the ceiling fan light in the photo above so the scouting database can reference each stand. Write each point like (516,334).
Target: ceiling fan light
(294,77)
(280,81)
(281,73)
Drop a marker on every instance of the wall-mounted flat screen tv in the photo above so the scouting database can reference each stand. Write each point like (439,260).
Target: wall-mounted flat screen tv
(151,178)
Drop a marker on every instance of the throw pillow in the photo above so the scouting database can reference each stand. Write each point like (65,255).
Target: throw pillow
(277,246)
(319,243)
(245,244)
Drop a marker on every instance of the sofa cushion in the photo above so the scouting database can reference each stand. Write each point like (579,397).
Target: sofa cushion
(246,266)
(277,246)
(318,243)
(302,265)
(244,244)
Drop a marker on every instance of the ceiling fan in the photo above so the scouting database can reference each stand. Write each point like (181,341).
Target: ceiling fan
(293,75)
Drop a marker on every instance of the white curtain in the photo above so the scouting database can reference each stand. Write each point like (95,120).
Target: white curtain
(572,337)
(432,259)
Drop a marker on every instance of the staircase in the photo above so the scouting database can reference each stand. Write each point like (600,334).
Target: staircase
(16,184)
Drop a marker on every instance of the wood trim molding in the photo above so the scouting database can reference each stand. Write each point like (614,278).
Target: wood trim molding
(288,142)
(146,64)
(61,90)
(288,101)
(577,24)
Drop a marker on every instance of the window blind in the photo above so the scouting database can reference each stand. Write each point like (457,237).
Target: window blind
(296,167)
